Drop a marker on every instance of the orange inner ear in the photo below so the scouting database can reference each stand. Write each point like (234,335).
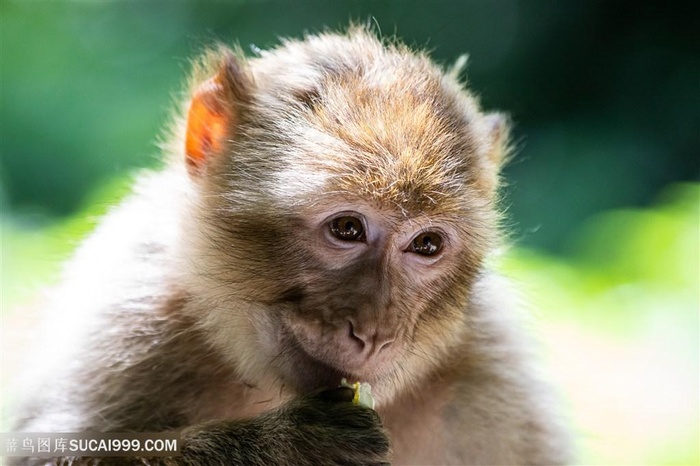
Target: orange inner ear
(208,120)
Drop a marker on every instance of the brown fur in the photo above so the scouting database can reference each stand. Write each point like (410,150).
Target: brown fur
(226,298)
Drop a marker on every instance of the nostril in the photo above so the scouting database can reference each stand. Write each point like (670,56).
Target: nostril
(354,337)
(385,345)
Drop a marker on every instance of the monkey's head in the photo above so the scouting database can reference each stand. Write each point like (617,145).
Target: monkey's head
(343,206)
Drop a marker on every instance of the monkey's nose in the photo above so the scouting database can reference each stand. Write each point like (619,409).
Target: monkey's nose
(367,341)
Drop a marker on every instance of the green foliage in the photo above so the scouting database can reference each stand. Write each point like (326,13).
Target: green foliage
(620,321)
(627,265)
(31,255)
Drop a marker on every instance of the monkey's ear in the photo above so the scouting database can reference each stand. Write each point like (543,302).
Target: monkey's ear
(497,134)
(214,112)
(498,127)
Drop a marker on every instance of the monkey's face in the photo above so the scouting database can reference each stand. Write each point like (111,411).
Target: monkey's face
(374,295)
(325,284)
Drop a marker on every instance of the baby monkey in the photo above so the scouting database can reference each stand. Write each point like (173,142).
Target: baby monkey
(327,212)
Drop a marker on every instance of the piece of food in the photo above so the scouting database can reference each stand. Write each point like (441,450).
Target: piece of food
(363,393)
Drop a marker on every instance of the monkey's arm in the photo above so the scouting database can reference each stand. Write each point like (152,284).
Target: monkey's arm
(325,429)
(322,429)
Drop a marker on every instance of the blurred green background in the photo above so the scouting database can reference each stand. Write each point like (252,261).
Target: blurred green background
(603,194)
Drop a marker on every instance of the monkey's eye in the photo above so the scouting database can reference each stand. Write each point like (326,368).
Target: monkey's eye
(427,243)
(348,228)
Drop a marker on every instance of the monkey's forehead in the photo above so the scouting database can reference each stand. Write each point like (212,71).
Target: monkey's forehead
(409,176)
(404,153)
(384,144)
(393,146)
(377,121)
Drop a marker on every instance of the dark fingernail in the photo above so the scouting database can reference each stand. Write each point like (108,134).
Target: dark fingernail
(337,394)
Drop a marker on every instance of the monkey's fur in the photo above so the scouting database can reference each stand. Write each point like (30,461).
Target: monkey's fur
(215,299)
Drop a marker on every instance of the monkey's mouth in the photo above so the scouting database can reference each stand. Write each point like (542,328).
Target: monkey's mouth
(306,373)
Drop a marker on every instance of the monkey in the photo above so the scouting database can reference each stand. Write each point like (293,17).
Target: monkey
(327,209)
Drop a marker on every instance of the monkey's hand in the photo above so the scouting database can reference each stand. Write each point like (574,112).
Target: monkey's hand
(322,429)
